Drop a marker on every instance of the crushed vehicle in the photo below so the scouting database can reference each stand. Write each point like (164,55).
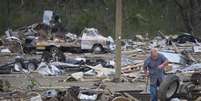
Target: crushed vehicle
(186,37)
(36,37)
(90,40)
(50,35)
(177,87)
(21,39)
(20,64)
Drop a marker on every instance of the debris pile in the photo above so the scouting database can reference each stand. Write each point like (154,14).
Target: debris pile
(88,57)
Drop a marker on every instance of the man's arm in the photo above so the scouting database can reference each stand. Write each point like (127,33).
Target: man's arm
(165,63)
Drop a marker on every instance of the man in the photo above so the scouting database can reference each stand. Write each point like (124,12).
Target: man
(154,67)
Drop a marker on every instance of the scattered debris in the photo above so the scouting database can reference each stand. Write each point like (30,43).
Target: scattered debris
(48,36)
(48,69)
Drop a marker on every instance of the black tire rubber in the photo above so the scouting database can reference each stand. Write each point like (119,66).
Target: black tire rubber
(34,63)
(57,54)
(54,49)
(168,88)
(97,52)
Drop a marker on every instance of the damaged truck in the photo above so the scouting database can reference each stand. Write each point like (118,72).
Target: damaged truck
(90,40)
(50,35)
(181,87)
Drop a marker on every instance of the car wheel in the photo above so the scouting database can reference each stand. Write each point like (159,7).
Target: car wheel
(54,50)
(31,66)
(168,88)
(97,49)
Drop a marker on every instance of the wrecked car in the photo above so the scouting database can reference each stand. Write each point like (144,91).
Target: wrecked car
(186,37)
(178,87)
(20,64)
(24,37)
(90,40)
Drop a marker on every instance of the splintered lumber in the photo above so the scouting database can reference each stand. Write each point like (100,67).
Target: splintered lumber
(132,68)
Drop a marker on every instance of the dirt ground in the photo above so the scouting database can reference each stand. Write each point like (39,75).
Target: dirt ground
(19,81)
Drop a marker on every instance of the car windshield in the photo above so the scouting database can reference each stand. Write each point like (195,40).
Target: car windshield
(91,34)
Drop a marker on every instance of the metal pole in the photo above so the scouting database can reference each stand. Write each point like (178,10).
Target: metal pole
(118,31)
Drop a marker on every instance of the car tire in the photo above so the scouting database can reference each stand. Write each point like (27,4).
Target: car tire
(97,49)
(54,50)
(168,88)
(32,65)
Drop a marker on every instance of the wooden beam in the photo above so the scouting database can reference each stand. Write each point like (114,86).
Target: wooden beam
(118,31)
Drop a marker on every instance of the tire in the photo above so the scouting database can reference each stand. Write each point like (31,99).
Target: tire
(32,65)
(54,50)
(168,88)
(57,54)
(97,49)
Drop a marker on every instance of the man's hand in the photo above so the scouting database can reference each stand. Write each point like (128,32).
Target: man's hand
(161,66)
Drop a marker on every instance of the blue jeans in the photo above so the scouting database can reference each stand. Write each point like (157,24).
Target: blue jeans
(155,82)
(153,92)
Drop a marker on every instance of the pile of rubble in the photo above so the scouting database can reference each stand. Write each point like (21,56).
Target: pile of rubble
(94,59)
(96,67)
(55,62)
